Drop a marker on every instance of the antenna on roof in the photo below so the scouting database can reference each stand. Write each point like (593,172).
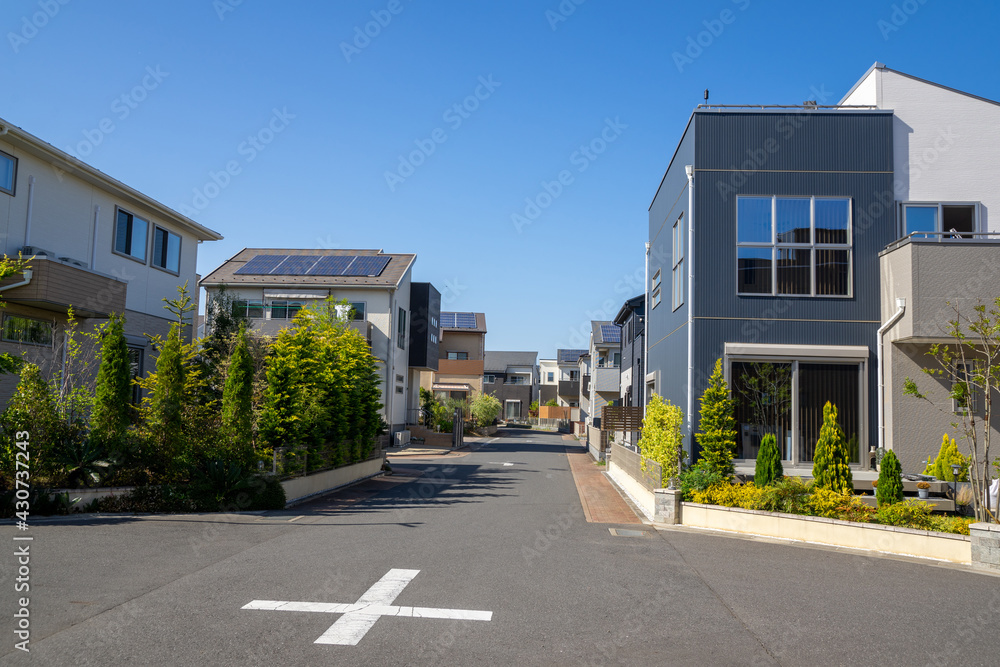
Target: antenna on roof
(706,96)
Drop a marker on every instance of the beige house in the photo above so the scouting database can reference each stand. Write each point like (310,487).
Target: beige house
(461,355)
(98,247)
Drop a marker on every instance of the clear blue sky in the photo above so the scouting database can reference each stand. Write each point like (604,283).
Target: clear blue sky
(346,115)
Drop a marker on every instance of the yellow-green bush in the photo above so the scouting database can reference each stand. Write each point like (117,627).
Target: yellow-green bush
(827,502)
(746,495)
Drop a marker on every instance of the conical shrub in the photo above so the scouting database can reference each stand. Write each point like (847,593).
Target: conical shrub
(769,466)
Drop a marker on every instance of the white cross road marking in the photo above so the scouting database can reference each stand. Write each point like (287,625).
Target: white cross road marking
(358,618)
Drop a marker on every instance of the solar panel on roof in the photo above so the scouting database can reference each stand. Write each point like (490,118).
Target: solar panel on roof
(367,265)
(331,265)
(611,333)
(570,356)
(465,320)
(295,265)
(448,320)
(261,265)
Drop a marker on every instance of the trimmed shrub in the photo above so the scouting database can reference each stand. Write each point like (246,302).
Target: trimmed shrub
(725,494)
(826,502)
(718,425)
(112,412)
(788,494)
(831,462)
(661,437)
(940,467)
(698,478)
(768,468)
(909,513)
(890,480)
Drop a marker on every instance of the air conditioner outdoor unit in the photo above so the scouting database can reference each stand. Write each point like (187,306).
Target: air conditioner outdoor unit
(401,438)
(33,250)
(73,262)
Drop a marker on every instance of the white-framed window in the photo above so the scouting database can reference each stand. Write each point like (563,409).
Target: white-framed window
(401,330)
(965,397)
(130,236)
(551,377)
(678,261)
(458,356)
(489,379)
(8,173)
(961,218)
(166,250)
(27,330)
(793,246)
(654,290)
(249,308)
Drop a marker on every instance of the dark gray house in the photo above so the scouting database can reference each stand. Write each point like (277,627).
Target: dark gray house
(765,235)
(512,377)
(631,319)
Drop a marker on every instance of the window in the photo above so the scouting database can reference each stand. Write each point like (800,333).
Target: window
(551,377)
(130,236)
(574,376)
(516,379)
(8,173)
(512,410)
(401,330)
(458,356)
(285,310)
(655,290)
(399,390)
(935,218)
(796,246)
(166,250)
(25,330)
(678,270)
(358,310)
(964,396)
(253,310)
(616,360)
(489,379)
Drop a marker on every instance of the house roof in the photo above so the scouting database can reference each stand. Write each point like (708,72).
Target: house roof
(63,162)
(881,66)
(459,317)
(390,276)
(501,361)
(605,333)
(570,356)
(636,303)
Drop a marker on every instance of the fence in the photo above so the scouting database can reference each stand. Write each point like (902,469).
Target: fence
(630,463)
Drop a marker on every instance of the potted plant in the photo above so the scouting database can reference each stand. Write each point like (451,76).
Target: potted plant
(874,486)
(922,490)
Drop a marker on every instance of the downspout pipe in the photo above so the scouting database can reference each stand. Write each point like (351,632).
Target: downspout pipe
(645,335)
(900,309)
(689,170)
(31,206)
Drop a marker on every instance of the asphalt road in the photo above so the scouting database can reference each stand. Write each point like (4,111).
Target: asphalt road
(498,530)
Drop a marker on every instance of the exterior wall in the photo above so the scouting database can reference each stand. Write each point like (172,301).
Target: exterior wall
(425,325)
(470,343)
(510,392)
(546,366)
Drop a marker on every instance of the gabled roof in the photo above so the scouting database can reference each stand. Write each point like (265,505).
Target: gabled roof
(884,68)
(228,272)
(63,162)
(606,333)
(480,319)
(500,361)
(636,304)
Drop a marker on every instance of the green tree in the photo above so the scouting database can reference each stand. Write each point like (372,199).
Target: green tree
(485,409)
(831,462)
(890,480)
(552,403)
(768,469)
(112,413)
(33,410)
(718,425)
(166,401)
(237,401)
(661,439)
(940,467)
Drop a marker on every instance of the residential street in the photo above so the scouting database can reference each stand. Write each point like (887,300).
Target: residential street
(497,533)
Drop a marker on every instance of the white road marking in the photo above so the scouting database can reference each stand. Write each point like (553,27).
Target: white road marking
(358,618)
(449,470)
(296,518)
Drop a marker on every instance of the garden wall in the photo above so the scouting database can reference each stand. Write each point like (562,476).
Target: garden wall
(300,489)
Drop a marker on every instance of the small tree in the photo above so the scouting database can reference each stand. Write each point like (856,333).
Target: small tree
(112,413)
(237,401)
(718,425)
(940,467)
(552,403)
(890,480)
(485,408)
(769,467)
(831,462)
(661,439)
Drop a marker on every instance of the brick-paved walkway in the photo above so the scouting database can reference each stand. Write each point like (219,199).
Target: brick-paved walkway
(601,501)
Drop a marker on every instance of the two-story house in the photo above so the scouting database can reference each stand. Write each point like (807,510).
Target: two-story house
(561,378)
(632,386)
(605,372)
(512,377)
(97,246)
(270,285)
(765,235)
(461,353)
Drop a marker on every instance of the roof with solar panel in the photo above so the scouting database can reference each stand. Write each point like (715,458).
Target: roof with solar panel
(570,356)
(276,266)
(606,333)
(463,322)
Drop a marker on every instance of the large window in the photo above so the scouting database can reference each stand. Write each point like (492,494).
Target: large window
(285,310)
(678,270)
(937,220)
(130,235)
(251,309)
(795,246)
(458,356)
(166,250)
(25,330)
(8,173)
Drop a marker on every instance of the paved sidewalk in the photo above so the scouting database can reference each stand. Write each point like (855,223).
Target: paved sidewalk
(601,501)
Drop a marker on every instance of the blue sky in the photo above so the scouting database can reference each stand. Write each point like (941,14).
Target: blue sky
(337,138)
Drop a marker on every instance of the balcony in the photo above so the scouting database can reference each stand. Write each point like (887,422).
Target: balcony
(56,286)
(364,327)
(460,367)
(569,388)
(931,272)
(606,379)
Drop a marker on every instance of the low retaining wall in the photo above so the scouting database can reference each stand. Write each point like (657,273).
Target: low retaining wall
(875,537)
(299,489)
(87,496)
(640,495)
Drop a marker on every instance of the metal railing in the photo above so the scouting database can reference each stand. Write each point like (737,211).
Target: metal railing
(952,236)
